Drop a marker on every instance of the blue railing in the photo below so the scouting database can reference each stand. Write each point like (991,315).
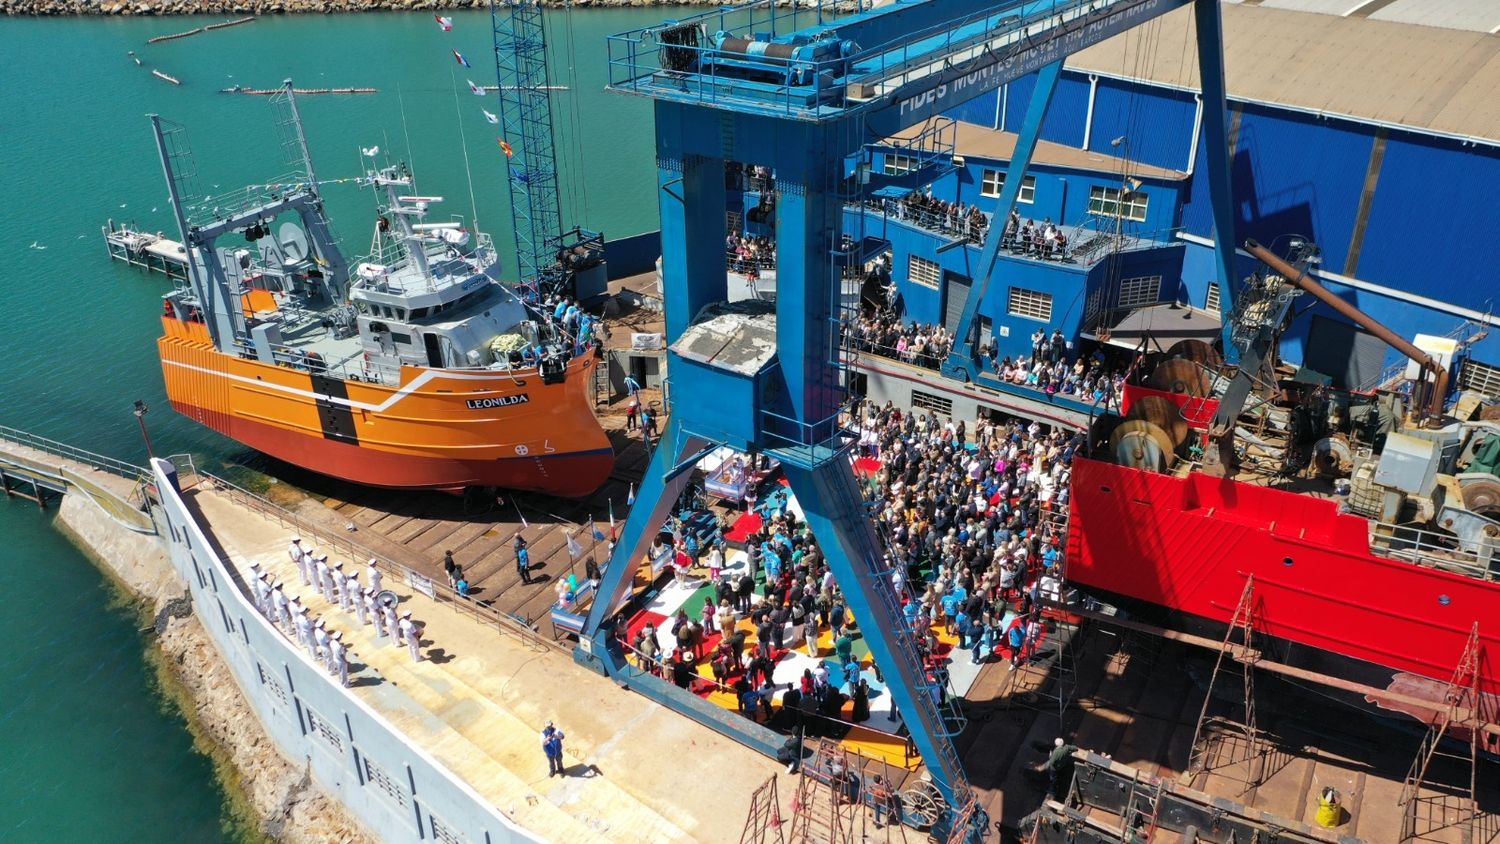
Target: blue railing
(678,60)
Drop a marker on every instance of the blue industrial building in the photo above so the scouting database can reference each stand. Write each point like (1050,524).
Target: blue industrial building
(1387,160)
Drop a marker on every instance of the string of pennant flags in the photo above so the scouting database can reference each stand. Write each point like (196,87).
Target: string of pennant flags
(445,23)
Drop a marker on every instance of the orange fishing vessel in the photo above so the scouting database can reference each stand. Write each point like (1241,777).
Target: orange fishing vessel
(416,370)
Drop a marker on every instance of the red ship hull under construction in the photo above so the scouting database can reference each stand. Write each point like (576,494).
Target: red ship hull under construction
(1189,544)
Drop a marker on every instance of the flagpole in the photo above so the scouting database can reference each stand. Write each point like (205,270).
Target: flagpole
(464,140)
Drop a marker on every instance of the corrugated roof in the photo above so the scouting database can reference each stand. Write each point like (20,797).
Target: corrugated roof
(1419,76)
(978,141)
(1473,15)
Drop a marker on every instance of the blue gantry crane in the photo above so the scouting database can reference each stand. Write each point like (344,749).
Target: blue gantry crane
(550,258)
(756,84)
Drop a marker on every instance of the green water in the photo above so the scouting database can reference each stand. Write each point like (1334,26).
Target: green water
(87,750)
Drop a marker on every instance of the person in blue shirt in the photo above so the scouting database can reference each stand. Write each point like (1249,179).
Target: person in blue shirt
(1016,638)
(632,386)
(552,746)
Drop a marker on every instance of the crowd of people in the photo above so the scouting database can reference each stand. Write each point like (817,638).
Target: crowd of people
(939,215)
(1050,368)
(974,509)
(967,513)
(1045,241)
(746,254)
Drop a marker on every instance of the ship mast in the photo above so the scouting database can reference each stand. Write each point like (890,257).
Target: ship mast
(225,322)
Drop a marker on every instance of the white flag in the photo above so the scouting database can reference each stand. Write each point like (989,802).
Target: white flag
(477,91)
(630,499)
(574,549)
(490,117)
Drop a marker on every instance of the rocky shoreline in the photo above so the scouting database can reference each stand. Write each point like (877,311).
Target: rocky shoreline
(267,792)
(61,8)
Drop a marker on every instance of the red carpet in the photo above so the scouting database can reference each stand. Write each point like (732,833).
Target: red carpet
(745,525)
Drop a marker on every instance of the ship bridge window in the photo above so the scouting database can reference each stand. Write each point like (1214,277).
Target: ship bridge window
(403,339)
(418,313)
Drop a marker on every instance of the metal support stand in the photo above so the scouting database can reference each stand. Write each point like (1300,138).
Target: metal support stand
(1424,814)
(764,824)
(1213,732)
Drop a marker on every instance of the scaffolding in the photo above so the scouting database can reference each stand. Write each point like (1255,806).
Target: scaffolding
(1423,814)
(763,826)
(837,798)
(1221,743)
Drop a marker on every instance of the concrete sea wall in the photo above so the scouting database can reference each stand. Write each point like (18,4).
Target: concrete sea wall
(269,789)
(395,790)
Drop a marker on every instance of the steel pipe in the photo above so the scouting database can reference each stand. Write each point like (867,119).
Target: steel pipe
(1300,279)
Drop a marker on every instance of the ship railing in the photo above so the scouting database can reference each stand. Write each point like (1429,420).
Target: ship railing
(78,455)
(356,552)
(211,208)
(1431,549)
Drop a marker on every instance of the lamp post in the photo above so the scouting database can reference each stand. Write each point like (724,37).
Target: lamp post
(140,418)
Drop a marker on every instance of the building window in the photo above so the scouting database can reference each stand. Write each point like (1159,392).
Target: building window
(268,679)
(1106,202)
(993,181)
(381,779)
(732,221)
(323,729)
(1140,291)
(924,272)
(1031,304)
(928,401)
(892,164)
(1211,302)
(1480,377)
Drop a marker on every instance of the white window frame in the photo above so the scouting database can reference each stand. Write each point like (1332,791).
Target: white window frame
(925,273)
(896,164)
(1139,291)
(1105,201)
(1029,304)
(991,182)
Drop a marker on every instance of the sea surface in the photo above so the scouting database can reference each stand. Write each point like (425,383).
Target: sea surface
(89,751)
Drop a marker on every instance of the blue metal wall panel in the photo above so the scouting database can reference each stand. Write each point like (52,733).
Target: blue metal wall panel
(1433,227)
(1068,112)
(1158,122)
(1019,95)
(1293,174)
(981,111)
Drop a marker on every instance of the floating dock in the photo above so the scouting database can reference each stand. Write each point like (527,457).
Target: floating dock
(199,30)
(266,92)
(150,252)
(166,77)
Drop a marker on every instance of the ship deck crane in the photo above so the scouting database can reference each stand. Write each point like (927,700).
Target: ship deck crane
(735,85)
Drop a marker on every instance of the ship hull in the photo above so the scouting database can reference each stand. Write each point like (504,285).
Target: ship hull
(1189,544)
(438,430)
